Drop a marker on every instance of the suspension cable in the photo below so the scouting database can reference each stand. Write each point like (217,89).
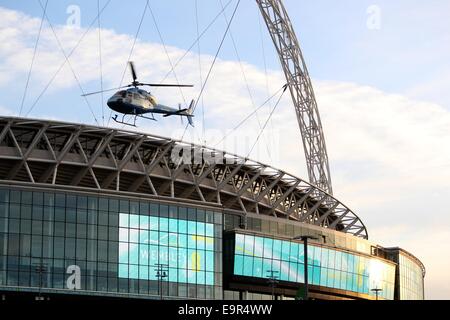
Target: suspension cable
(65,61)
(283,88)
(214,62)
(32,60)
(101,63)
(196,40)
(131,53)
(200,70)
(244,76)
(165,50)
(69,64)
(267,121)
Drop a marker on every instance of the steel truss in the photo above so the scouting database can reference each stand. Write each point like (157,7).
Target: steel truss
(301,89)
(65,154)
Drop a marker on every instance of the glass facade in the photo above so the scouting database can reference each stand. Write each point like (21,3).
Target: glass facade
(113,243)
(256,256)
(411,279)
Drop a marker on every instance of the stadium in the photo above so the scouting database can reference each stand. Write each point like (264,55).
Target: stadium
(96,212)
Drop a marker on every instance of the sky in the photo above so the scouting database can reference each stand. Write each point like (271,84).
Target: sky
(380,72)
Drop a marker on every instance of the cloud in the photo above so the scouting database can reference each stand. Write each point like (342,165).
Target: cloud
(389,155)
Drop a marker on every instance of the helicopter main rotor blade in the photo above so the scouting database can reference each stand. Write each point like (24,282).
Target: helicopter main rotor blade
(166,85)
(133,70)
(107,90)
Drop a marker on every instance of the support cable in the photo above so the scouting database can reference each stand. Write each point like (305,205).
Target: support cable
(244,76)
(165,50)
(200,70)
(65,61)
(267,121)
(214,62)
(131,51)
(101,63)
(32,60)
(251,114)
(69,64)
(196,41)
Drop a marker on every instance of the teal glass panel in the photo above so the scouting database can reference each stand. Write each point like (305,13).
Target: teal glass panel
(173,257)
(258,267)
(143,273)
(209,263)
(163,238)
(239,245)
(268,246)
(292,272)
(248,266)
(191,227)
(294,254)
(143,255)
(173,225)
(209,230)
(248,245)
(154,223)
(182,226)
(238,264)
(316,275)
(276,253)
(163,224)
(182,240)
(259,246)
(144,222)
(134,235)
(209,243)
(133,253)
(285,250)
(200,229)
(123,222)
(209,280)
(134,221)
(133,272)
(144,237)
(173,239)
(123,270)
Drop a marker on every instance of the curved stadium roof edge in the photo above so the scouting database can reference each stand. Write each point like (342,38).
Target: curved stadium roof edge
(81,155)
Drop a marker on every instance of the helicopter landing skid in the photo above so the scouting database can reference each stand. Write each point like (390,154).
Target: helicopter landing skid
(134,122)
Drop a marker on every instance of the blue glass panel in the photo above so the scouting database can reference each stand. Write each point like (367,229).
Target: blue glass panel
(182,275)
(163,238)
(143,254)
(324,257)
(144,237)
(192,276)
(276,253)
(182,240)
(123,222)
(154,237)
(323,277)
(259,246)
(143,272)
(209,243)
(163,255)
(268,246)
(310,273)
(134,253)
(338,260)
(311,250)
(163,224)
(200,242)
(301,256)
(173,275)
(200,229)
(292,272)
(209,278)
(123,270)
(317,256)
(294,255)
(248,245)
(267,266)
(301,273)
(258,267)
(134,235)
(239,245)
(248,266)
(123,252)
(154,223)
(284,271)
(144,222)
(192,241)
(201,277)
(209,261)
(182,258)
(133,272)
(331,259)
(316,275)
(173,225)
(123,235)
(173,257)
(182,226)
(134,221)
(191,227)
(209,230)
(173,239)
(285,249)
(154,255)
(238,264)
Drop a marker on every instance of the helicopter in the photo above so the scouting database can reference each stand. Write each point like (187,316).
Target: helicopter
(137,102)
